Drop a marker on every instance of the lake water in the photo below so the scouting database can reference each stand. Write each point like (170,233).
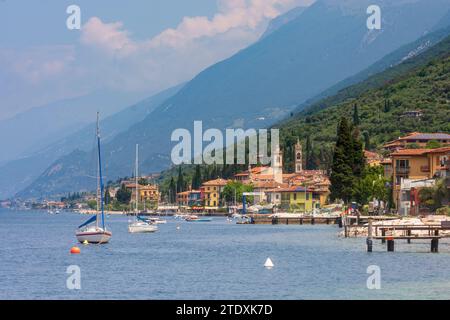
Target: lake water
(215,260)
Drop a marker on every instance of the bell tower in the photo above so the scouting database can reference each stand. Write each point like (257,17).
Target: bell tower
(277,164)
(298,157)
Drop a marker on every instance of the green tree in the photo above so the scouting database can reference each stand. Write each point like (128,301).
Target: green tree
(433,144)
(123,195)
(236,189)
(143,181)
(310,156)
(172,190)
(341,170)
(366,137)
(107,197)
(180,180)
(357,155)
(435,197)
(356,120)
(197,178)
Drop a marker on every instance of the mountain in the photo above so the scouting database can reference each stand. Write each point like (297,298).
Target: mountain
(345,88)
(283,19)
(62,117)
(420,83)
(263,83)
(18,174)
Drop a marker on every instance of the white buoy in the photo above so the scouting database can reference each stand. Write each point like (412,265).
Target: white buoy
(178,228)
(269,264)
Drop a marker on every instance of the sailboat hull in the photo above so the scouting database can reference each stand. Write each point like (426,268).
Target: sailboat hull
(94,236)
(139,227)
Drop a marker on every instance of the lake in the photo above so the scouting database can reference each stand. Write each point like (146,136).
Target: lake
(211,260)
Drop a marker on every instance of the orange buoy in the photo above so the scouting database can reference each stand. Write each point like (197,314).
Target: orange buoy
(75,250)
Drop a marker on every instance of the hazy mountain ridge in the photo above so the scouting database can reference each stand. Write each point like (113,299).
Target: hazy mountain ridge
(18,174)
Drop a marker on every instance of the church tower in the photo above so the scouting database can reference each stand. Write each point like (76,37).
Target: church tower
(277,165)
(298,157)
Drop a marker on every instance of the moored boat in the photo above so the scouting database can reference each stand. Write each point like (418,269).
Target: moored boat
(88,231)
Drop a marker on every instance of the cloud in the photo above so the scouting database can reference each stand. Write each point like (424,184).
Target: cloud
(251,15)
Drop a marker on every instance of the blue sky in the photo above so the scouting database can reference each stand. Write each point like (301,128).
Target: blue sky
(137,46)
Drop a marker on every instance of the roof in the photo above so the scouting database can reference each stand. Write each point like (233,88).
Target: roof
(409,152)
(426,136)
(216,182)
(290,189)
(372,155)
(419,152)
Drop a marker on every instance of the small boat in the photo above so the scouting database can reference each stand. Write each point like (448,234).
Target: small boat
(194,218)
(88,232)
(155,220)
(140,224)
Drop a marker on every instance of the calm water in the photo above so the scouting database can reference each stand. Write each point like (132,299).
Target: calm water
(216,260)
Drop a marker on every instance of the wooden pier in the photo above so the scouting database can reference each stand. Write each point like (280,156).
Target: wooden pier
(311,220)
(389,234)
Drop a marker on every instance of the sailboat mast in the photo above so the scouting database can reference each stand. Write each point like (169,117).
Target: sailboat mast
(100,172)
(136,178)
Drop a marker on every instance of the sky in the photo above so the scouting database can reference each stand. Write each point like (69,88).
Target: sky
(127,46)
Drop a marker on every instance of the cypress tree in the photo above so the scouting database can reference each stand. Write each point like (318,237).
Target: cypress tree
(172,190)
(341,170)
(197,178)
(366,136)
(356,120)
(180,181)
(310,157)
(359,160)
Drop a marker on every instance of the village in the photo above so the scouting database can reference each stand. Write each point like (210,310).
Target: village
(413,165)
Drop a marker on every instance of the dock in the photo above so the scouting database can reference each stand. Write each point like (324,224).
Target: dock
(307,219)
(389,234)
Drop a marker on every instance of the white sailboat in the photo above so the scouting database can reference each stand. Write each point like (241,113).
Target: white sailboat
(139,225)
(93,230)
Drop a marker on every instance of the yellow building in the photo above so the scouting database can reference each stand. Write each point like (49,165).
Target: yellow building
(297,198)
(211,191)
(148,194)
(417,164)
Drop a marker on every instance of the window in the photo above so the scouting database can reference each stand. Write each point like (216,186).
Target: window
(299,156)
(295,196)
(307,196)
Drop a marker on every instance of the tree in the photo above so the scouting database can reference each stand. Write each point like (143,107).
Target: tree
(172,190)
(341,170)
(371,186)
(310,156)
(433,144)
(123,195)
(180,180)
(356,120)
(366,137)
(197,178)
(234,190)
(435,197)
(357,155)
(143,181)
(107,197)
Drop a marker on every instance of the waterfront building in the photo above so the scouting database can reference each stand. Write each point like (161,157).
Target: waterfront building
(418,139)
(211,191)
(296,198)
(148,194)
(190,198)
(412,169)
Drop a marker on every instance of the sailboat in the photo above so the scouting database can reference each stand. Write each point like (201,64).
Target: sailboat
(139,224)
(94,230)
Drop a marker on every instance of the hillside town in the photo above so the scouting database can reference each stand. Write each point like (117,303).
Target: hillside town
(413,166)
